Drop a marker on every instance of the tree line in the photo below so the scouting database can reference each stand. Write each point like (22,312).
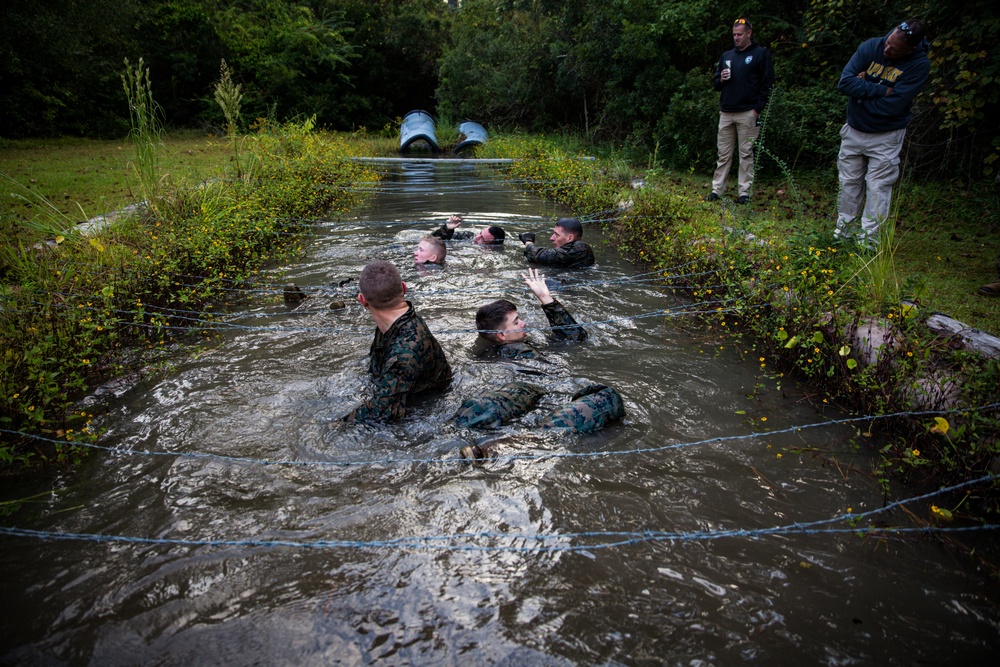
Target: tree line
(635,73)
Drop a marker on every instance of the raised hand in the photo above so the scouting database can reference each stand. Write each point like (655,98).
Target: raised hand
(535,281)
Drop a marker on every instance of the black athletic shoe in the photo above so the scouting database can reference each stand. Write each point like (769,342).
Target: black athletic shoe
(744,199)
(713,197)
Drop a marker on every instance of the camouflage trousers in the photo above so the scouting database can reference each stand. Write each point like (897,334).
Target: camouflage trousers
(591,409)
(499,406)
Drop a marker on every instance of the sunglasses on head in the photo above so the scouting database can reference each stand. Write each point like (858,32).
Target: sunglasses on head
(905,28)
(744,22)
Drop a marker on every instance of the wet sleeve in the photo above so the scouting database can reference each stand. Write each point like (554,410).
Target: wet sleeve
(547,256)
(566,328)
(391,390)
(444,233)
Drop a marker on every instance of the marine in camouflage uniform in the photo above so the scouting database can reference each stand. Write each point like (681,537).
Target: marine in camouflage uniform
(569,252)
(405,360)
(502,335)
(573,255)
(564,328)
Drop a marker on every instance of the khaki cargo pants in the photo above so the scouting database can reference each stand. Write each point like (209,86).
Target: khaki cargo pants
(736,129)
(868,165)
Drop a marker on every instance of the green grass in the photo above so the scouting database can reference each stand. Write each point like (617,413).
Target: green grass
(90,306)
(950,237)
(83,178)
(947,236)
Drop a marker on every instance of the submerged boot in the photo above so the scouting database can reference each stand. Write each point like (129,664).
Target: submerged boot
(293,294)
(591,409)
(473,453)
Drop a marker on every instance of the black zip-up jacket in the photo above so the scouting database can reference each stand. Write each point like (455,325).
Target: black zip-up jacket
(751,80)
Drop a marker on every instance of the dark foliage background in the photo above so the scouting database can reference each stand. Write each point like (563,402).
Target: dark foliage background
(349,62)
(635,73)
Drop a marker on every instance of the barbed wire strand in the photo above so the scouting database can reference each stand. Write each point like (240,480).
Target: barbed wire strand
(543,542)
(502,458)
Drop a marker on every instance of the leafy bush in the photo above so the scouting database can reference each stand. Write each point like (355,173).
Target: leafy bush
(794,304)
(687,131)
(803,124)
(557,173)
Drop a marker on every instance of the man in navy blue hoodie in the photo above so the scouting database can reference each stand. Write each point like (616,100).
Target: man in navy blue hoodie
(882,79)
(744,78)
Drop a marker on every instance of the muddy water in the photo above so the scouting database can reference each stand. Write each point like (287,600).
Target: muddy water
(377,545)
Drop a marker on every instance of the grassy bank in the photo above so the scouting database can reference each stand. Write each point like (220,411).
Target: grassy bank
(78,306)
(849,323)
(948,236)
(83,178)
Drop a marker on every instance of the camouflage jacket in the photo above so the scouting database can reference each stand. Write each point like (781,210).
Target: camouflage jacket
(572,255)
(566,328)
(453,235)
(404,360)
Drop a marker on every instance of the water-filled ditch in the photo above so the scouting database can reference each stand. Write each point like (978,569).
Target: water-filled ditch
(540,556)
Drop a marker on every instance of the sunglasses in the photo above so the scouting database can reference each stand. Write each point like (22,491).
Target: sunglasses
(905,28)
(744,22)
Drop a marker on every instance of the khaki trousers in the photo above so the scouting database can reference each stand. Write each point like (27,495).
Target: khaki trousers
(736,129)
(868,165)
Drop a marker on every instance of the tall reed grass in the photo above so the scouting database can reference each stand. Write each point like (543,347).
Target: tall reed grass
(146,131)
(228,96)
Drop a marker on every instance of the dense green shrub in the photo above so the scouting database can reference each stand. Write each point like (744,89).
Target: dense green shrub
(802,124)
(686,132)
(793,306)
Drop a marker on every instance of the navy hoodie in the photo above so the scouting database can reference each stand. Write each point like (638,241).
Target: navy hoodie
(751,81)
(870,109)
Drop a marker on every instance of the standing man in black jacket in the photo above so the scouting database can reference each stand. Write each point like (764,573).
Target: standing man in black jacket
(744,77)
